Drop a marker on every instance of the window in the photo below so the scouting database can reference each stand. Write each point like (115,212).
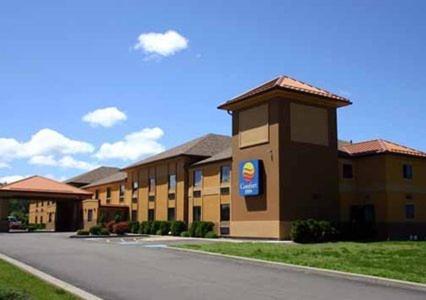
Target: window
(409,211)
(108,194)
(172,196)
(196,194)
(97,194)
(134,215)
(36,220)
(41,220)
(151,215)
(90,215)
(42,203)
(50,217)
(198,176)
(224,212)
(407,171)
(171,214)
(224,190)
(122,191)
(348,171)
(151,198)
(196,213)
(36,203)
(225,174)
(172,182)
(135,187)
(151,184)
(224,230)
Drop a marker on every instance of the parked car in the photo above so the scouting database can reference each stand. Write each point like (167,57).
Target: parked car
(14,223)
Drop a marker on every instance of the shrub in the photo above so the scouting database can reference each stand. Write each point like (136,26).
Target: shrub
(110,225)
(95,230)
(164,228)
(312,231)
(118,216)
(134,226)
(104,231)
(121,228)
(145,227)
(185,234)
(177,227)
(200,228)
(155,226)
(82,232)
(211,235)
(32,227)
(8,294)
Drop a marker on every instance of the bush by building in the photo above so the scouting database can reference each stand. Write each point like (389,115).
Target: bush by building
(95,230)
(104,231)
(200,228)
(134,226)
(110,226)
(164,228)
(155,226)
(211,235)
(145,227)
(177,227)
(185,234)
(83,232)
(313,231)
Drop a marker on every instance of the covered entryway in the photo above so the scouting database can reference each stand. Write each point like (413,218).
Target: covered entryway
(66,199)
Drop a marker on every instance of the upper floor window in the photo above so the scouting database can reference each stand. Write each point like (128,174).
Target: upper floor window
(90,215)
(409,211)
(348,172)
(122,191)
(97,194)
(172,182)
(407,171)
(151,215)
(224,212)
(108,193)
(196,213)
(135,187)
(151,184)
(198,176)
(225,174)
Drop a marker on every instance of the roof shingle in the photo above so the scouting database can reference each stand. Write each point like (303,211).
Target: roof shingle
(118,176)
(92,176)
(288,83)
(378,146)
(204,146)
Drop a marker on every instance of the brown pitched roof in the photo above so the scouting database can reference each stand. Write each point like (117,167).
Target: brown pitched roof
(377,147)
(118,176)
(286,83)
(39,184)
(93,175)
(223,155)
(204,146)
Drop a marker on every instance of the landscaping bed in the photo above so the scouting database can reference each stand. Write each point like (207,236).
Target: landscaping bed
(396,260)
(19,285)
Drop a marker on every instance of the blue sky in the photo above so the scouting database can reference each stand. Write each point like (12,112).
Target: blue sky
(60,60)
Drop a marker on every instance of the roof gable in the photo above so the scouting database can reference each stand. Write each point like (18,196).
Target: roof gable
(287,83)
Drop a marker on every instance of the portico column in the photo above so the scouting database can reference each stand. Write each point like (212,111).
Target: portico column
(4,212)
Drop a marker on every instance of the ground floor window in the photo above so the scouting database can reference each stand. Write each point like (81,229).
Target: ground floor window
(151,215)
(363,213)
(134,215)
(36,220)
(196,213)
(224,212)
(50,217)
(41,220)
(90,215)
(171,214)
(409,211)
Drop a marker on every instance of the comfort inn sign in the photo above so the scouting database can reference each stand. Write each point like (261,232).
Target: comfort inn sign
(249,178)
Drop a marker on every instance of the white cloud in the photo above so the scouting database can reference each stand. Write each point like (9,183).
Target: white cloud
(4,165)
(64,162)
(134,145)
(162,44)
(106,117)
(43,143)
(11,178)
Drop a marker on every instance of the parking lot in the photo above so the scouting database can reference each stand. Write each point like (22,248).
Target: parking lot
(145,268)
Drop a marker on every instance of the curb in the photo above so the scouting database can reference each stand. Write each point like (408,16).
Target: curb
(319,271)
(50,279)
(105,236)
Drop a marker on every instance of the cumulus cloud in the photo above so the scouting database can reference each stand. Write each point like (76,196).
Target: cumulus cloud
(161,44)
(64,162)
(106,117)
(134,146)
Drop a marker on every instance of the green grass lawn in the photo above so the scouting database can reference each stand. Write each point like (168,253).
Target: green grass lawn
(397,260)
(12,278)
